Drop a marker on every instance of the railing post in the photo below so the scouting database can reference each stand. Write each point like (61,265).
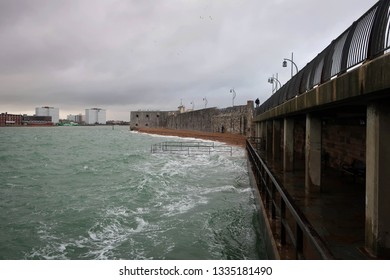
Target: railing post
(298,242)
(267,196)
(258,179)
(265,181)
(282,221)
(273,208)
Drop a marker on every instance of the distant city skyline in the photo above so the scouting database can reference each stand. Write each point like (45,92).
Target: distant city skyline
(62,115)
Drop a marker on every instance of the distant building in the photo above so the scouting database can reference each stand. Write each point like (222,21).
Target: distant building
(37,120)
(10,119)
(52,112)
(95,116)
(76,118)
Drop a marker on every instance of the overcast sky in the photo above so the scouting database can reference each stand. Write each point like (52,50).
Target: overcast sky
(125,55)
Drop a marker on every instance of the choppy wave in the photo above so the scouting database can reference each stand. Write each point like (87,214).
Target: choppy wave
(110,198)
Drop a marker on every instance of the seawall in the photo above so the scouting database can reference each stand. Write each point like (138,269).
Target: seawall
(235,120)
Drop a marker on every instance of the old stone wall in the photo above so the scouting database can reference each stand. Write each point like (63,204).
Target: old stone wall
(237,119)
(149,118)
(193,120)
(232,120)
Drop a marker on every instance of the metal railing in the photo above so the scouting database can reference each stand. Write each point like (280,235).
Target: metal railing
(366,39)
(293,229)
(257,142)
(190,148)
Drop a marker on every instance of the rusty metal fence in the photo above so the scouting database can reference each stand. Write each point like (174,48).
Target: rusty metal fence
(366,39)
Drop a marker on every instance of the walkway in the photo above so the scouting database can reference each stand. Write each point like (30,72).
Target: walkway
(337,214)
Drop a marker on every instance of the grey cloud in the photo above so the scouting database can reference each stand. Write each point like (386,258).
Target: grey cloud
(131,54)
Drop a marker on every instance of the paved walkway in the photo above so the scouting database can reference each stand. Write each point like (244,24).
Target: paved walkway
(337,214)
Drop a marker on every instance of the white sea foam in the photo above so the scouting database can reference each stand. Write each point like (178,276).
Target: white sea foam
(141,210)
(141,225)
(183,205)
(117,211)
(227,188)
(126,202)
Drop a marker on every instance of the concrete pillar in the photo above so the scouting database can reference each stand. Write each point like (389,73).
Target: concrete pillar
(377,180)
(288,142)
(268,137)
(276,140)
(313,154)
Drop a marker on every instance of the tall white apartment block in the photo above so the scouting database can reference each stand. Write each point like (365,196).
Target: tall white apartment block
(46,111)
(95,116)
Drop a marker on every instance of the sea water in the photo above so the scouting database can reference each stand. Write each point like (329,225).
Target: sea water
(99,193)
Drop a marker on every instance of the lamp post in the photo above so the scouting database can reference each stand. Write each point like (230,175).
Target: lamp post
(292,64)
(205,102)
(273,80)
(234,95)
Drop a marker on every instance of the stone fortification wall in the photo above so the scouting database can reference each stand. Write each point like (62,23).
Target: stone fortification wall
(149,119)
(237,119)
(232,120)
(193,120)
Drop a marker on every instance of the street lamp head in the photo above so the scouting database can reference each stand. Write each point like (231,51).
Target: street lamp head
(271,80)
(284,63)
